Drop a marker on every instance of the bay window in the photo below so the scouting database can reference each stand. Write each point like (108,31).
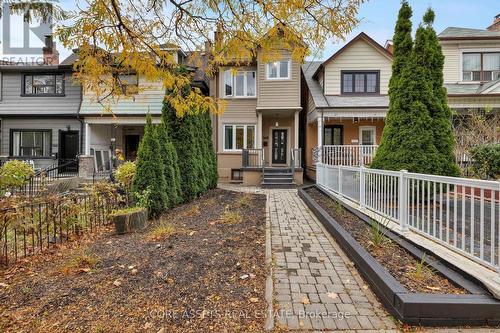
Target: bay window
(481,66)
(239,84)
(279,70)
(237,137)
(31,143)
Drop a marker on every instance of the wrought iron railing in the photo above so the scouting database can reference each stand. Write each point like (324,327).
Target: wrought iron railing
(63,168)
(252,158)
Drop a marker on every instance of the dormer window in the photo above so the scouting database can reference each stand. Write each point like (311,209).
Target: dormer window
(481,66)
(360,82)
(127,84)
(279,70)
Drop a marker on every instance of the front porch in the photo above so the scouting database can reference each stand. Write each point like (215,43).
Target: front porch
(266,152)
(113,140)
(348,141)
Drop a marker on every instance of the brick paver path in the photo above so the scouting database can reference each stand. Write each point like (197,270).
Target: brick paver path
(315,285)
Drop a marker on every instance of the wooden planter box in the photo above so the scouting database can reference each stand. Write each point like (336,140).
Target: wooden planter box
(129,221)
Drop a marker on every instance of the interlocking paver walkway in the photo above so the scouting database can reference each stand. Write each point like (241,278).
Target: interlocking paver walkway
(315,284)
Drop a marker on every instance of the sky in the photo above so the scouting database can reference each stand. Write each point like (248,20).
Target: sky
(378,18)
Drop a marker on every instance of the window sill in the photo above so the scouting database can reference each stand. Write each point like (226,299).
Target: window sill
(43,95)
(243,97)
(278,79)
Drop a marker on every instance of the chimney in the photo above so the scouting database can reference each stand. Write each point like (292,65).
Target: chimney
(218,38)
(389,46)
(496,24)
(50,54)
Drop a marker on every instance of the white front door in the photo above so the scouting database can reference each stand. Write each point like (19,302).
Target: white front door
(367,135)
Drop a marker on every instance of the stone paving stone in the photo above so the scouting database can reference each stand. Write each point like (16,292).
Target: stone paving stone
(312,269)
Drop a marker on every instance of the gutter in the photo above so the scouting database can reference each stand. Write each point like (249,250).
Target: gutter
(80,120)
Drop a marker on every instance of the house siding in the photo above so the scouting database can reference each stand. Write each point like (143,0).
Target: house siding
(37,123)
(279,93)
(148,100)
(451,70)
(12,103)
(359,56)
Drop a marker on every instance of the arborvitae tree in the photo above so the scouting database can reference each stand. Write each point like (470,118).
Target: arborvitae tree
(408,141)
(402,49)
(433,62)
(169,157)
(212,159)
(201,152)
(150,176)
(184,142)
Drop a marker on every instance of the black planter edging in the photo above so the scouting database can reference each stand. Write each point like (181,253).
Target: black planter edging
(477,308)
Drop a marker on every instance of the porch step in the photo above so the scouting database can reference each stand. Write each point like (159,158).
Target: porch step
(277,178)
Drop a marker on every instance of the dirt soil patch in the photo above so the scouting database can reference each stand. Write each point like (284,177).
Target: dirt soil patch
(411,272)
(200,268)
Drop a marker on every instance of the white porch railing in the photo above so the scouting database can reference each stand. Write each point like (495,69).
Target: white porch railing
(349,155)
(459,213)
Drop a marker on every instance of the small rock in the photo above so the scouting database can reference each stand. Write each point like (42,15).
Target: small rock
(131,267)
(133,271)
(332,295)
(244,276)
(117,283)
(158,246)
(192,233)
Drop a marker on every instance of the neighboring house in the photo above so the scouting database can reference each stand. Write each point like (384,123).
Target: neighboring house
(345,100)
(110,134)
(38,112)
(259,129)
(472,66)
(345,97)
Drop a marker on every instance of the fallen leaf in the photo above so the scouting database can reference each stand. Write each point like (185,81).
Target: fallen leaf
(4,285)
(433,288)
(301,323)
(134,271)
(192,233)
(121,266)
(86,270)
(305,300)
(332,295)
(244,276)
(254,299)
(162,330)
(169,280)
(117,283)
(365,287)
(321,258)
(131,267)
(148,325)
(252,275)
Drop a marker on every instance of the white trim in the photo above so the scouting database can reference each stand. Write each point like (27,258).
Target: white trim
(233,81)
(121,120)
(278,78)
(245,131)
(374,134)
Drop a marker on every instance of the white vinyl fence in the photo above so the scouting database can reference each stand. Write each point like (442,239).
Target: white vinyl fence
(350,155)
(460,213)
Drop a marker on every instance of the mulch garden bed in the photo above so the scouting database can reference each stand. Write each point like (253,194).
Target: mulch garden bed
(411,272)
(200,268)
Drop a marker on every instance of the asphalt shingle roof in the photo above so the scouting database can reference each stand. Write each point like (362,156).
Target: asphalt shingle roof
(468,89)
(322,101)
(456,32)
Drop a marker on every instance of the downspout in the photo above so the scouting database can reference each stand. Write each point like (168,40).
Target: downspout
(81,121)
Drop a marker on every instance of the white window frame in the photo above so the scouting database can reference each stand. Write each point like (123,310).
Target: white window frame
(245,131)
(278,77)
(233,82)
(373,129)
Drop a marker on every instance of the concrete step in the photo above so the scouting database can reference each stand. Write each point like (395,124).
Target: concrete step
(276,170)
(278,186)
(278,180)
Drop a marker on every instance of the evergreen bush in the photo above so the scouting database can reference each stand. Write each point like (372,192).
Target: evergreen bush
(150,175)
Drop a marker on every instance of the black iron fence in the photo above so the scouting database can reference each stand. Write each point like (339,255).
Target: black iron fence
(33,228)
(61,169)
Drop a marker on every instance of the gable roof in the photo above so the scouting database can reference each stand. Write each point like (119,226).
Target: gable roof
(456,33)
(361,36)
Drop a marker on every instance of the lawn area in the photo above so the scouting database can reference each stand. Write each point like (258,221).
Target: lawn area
(201,267)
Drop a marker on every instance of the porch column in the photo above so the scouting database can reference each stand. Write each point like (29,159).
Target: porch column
(296,129)
(87,139)
(320,139)
(259,130)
